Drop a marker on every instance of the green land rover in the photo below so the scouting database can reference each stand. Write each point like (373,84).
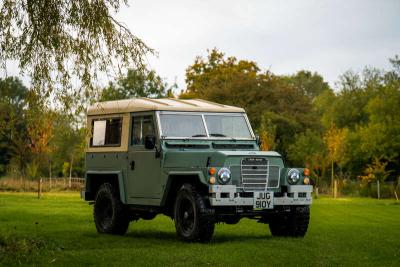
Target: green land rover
(195,161)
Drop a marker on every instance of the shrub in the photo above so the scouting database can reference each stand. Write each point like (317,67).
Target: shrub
(371,190)
(348,187)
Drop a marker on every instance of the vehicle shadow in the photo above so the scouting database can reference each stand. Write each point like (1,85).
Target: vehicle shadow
(238,238)
(159,235)
(171,236)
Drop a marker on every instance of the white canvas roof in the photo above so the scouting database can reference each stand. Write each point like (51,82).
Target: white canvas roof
(147,104)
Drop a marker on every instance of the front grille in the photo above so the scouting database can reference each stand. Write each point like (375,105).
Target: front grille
(254,173)
(257,174)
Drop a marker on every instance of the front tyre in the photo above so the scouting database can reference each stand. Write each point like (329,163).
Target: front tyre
(194,221)
(291,224)
(109,212)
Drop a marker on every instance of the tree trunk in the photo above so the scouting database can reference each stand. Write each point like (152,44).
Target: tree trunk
(50,174)
(39,187)
(335,189)
(378,188)
(332,178)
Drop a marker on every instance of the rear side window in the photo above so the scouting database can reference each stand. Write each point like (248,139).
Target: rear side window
(106,132)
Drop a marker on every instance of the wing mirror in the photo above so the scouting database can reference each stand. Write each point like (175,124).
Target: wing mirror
(149,141)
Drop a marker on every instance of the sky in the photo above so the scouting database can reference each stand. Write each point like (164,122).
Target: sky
(329,37)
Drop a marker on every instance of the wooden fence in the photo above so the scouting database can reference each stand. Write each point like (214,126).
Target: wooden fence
(73,183)
(64,182)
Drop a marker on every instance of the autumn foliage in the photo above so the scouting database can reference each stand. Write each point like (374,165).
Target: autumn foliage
(352,131)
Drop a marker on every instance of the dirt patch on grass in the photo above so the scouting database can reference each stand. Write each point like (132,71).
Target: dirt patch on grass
(19,250)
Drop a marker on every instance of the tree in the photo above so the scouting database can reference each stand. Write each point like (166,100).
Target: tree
(32,134)
(12,122)
(137,83)
(267,135)
(267,98)
(310,84)
(376,171)
(56,42)
(229,81)
(367,106)
(309,150)
(335,140)
(324,106)
(383,125)
(40,131)
(347,107)
(67,146)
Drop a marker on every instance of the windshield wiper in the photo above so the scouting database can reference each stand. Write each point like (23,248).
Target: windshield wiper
(199,135)
(217,135)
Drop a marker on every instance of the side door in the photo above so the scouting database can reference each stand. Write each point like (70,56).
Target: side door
(144,174)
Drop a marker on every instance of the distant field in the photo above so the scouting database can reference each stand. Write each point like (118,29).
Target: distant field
(58,229)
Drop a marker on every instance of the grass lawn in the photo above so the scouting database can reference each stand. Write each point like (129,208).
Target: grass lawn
(59,230)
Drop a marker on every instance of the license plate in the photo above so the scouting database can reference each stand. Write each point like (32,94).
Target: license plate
(263,200)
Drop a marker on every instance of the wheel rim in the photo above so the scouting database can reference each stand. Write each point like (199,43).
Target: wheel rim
(105,212)
(186,216)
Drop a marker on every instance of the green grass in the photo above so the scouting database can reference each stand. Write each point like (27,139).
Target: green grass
(58,229)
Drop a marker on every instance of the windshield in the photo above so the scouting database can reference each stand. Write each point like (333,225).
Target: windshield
(194,125)
(227,126)
(174,125)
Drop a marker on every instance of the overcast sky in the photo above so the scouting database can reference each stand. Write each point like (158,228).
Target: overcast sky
(329,37)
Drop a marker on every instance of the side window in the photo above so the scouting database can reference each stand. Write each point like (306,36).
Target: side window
(106,132)
(141,127)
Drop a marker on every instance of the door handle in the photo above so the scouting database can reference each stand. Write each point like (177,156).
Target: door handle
(132,165)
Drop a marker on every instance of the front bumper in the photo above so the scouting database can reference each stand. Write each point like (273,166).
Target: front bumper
(228,195)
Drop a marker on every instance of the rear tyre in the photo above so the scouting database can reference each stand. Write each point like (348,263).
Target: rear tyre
(291,224)
(194,221)
(110,215)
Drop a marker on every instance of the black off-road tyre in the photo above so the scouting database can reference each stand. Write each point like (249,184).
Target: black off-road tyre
(110,214)
(194,220)
(290,224)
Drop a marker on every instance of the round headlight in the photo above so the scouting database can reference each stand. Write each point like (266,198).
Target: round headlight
(293,176)
(224,175)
